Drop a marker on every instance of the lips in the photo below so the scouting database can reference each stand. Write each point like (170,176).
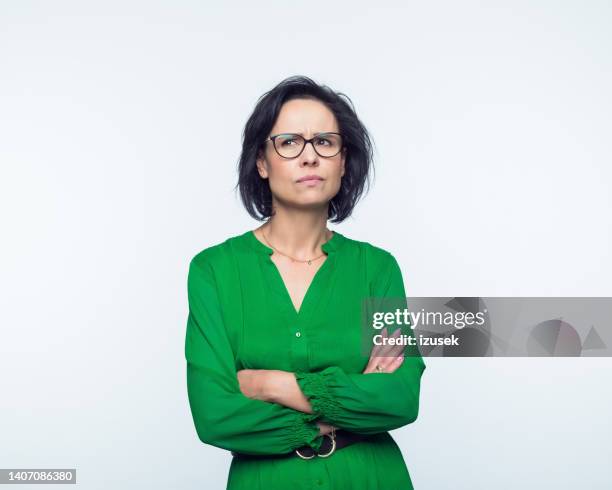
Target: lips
(307,178)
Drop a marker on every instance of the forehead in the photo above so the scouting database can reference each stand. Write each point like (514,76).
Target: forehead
(305,116)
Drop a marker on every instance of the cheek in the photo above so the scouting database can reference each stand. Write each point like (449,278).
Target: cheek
(280,172)
(335,185)
(335,176)
(280,177)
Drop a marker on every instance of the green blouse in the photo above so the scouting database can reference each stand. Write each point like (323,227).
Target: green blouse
(241,317)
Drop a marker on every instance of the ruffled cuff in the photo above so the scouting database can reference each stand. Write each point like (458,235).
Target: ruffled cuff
(316,387)
(306,431)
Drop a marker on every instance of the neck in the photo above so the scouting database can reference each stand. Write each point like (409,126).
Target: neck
(297,234)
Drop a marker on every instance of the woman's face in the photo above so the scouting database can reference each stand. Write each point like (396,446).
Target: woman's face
(306,117)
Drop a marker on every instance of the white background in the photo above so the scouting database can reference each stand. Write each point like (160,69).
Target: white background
(120,130)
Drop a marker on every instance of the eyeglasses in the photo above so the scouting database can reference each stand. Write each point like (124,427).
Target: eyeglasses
(291,145)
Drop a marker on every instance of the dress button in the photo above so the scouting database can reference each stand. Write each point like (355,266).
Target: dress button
(298,334)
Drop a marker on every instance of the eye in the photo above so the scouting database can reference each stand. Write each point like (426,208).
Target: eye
(287,141)
(323,141)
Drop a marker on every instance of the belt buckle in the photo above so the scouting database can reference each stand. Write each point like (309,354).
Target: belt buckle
(333,448)
(297,451)
(321,455)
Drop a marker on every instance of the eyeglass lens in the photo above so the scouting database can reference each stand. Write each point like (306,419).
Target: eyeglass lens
(291,145)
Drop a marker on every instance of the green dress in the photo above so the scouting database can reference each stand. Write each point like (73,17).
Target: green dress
(241,317)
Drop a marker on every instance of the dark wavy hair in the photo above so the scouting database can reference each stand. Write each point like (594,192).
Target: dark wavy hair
(255,191)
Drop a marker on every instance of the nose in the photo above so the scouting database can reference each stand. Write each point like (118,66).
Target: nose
(309,155)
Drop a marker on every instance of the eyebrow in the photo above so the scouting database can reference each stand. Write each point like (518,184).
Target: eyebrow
(314,134)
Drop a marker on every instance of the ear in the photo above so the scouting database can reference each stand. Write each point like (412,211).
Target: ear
(342,162)
(262,166)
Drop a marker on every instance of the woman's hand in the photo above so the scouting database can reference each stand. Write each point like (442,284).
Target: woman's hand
(325,428)
(388,357)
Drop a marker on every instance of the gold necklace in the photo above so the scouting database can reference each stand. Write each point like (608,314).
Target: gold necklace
(292,258)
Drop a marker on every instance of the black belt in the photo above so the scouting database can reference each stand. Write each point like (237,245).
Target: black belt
(341,438)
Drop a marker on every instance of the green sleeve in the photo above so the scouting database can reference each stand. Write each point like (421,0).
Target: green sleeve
(223,416)
(373,402)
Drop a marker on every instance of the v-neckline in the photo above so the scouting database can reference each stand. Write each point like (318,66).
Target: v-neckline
(308,292)
(313,291)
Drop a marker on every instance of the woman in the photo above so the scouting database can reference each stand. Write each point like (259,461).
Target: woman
(276,372)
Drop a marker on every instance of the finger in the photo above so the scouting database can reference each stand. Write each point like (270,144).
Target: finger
(391,350)
(396,350)
(382,362)
(396,363)
(391,355)
(393,363)
(384,354)
(375,361)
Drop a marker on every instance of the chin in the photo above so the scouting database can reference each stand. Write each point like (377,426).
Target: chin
(311,203)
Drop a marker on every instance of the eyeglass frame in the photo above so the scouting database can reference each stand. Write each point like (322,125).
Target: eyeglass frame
(317,135)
